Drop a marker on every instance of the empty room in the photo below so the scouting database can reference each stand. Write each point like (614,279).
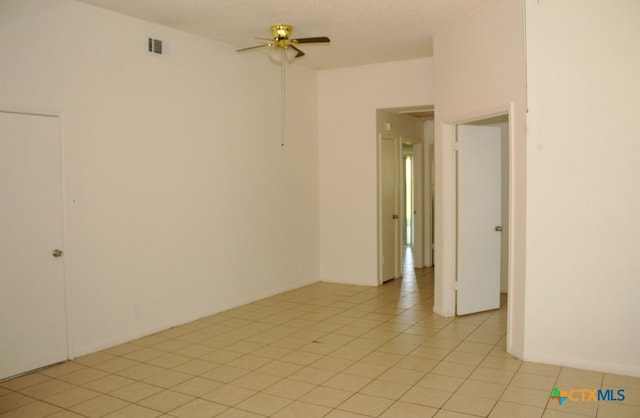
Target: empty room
(222,208)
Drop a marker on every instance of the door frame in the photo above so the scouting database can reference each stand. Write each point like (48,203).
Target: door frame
(45,112)
(447,207)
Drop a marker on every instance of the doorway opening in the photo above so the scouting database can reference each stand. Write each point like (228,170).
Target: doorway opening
(404,189)
(448,284)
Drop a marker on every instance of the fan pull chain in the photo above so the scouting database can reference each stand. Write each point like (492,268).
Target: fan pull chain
(283,96)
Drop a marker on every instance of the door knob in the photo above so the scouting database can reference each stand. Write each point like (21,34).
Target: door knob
(498,228)
(395,217)
(57,253)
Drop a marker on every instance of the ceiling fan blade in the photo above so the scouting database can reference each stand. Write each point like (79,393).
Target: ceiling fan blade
(299,54)
(314,40)
(252,47)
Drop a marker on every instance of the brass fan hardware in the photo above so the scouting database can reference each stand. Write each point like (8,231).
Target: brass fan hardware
(281,38)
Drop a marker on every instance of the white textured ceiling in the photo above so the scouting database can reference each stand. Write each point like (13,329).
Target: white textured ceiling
(361,31)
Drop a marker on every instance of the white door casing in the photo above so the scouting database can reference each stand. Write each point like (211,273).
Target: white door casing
(32,290)
(479,218)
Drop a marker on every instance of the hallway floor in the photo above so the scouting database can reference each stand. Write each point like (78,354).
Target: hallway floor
(322,350)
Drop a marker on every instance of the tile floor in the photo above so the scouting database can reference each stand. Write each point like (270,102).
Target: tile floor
(323,350)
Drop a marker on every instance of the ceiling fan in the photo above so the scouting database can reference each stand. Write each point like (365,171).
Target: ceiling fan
(282,39)
(284,49)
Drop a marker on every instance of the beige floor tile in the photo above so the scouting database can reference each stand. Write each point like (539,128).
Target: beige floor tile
(464,358)
(452,414)
(385,389)
(333,364)
(115,365)
(65,414)
(366,369)
(229,395)
(46,388)
(408,410)
(256,381)
(402,375)
(25,381)
(169,360)
(550,413)
(481,389)
(225,374)
(378,352)
(486,374)
(470,405)
(71,397)
(84,376)
(35,409)
(165,401)
(618,410)
(419,364)
(263,404)
(347,382)
(94,358)
(366,405)
(108,383)
(14,400)
(141,372)
(426,397)
(337,413)
(328,397)
(196,386)
(513,410)
(533,381)
(122,349)
(144,354)
(99,406)
(135,391)
(302,409)
(134,411)
(289,389)
(279,368)
(199,408)
(167,379)
(249,361)
(196,367)
(312,375)
(540,369)
(440,382)
(626,382)
(59,369)
(453,369)
(524,396)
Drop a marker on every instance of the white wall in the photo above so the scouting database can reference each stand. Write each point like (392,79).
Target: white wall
(186,203)
(348,99)
(583,184)
(479,71)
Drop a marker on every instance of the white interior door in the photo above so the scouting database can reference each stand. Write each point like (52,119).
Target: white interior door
(479,215)
(389,210)
(32,297)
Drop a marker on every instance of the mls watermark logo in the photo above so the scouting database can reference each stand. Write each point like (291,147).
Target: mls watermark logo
(587,395)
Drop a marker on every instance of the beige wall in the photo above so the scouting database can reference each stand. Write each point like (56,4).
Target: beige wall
(583,184)
(186,203)
(348,99)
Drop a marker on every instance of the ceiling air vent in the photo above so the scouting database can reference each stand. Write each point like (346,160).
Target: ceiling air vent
(155,46)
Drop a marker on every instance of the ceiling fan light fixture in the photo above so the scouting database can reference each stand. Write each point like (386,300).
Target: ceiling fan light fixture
(279,55)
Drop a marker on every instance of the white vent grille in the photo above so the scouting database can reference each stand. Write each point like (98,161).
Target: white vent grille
(155,46)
